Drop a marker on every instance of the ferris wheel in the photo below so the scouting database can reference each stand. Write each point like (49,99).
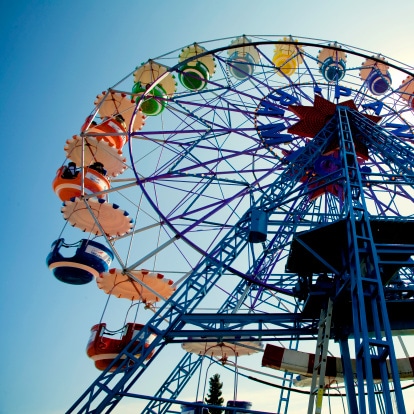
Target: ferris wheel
(252,193)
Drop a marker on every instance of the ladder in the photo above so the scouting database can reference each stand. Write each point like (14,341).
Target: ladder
(319,366)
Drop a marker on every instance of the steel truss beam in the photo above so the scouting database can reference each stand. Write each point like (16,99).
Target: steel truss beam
(364,277)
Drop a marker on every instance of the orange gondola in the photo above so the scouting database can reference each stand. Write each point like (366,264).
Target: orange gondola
(68,181)
(111,104)
(104,349)
(85,150)
(114,127)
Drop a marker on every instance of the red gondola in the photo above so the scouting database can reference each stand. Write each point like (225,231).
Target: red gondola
(103,349)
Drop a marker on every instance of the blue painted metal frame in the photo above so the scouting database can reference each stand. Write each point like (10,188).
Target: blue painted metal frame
(365,282)
(194,288)
(105,393)
(230,305)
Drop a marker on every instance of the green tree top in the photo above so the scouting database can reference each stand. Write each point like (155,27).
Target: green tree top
(214,394)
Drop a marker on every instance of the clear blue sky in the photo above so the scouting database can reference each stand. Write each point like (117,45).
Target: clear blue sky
(56,57)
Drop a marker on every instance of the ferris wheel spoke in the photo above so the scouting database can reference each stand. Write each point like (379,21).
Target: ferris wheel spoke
(151,254)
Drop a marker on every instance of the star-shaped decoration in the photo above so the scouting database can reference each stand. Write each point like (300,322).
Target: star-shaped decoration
(313,118)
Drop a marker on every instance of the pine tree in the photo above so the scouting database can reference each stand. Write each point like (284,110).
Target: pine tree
(214,394)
